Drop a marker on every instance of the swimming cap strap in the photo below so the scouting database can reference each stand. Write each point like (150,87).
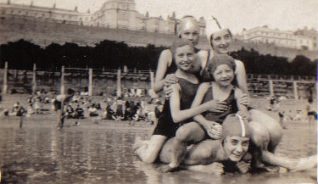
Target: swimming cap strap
(242,125)
(217,22)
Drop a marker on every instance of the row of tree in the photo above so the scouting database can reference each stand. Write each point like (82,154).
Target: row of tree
(111,55)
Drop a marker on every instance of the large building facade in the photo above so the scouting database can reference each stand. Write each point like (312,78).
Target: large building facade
(114,14)
(288,39)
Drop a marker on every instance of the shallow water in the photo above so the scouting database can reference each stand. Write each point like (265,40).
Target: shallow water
(102,153)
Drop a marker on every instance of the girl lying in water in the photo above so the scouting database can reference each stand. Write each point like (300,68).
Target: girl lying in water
(234,149)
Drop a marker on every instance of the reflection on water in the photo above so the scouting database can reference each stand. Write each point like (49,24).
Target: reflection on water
(102,154)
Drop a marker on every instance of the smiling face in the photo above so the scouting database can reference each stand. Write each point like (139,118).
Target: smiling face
(223,75)
(184,57)
(235,147)
(221,40)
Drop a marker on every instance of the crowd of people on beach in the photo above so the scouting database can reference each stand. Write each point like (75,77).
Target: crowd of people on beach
(82,106)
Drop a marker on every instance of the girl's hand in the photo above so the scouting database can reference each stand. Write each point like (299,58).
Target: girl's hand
(213,129)
(170,79)
(215,168)
(243,167)
(217,106)
(243,99)
(167,90)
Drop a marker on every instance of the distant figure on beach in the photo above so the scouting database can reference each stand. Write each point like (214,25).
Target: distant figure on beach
(17,110)
(273,104)
(311,111)
(282,119)
(60,104)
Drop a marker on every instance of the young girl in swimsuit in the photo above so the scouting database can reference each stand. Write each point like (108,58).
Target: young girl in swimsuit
(189,30)
(177,109)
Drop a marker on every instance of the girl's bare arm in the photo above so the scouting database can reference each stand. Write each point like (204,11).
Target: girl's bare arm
(240,74)
(163,64)
(180,115)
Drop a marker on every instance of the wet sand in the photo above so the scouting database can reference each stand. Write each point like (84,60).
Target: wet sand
(38,153)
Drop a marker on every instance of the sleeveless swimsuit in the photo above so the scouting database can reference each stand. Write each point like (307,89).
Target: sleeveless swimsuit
(217,116)
(166,126)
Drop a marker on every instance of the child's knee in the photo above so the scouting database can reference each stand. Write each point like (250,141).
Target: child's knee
(182,133)
(190,132)
(149,156)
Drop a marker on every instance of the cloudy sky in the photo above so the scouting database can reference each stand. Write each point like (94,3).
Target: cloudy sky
(235,14)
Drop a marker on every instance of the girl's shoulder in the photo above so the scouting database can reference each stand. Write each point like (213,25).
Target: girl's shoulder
(205,84)
(166,53)
(166,56)
(203,52)
(203,56)
(204,87)
(238,62)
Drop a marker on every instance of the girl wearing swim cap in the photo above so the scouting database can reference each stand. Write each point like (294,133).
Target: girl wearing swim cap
(232,152)
(189,29)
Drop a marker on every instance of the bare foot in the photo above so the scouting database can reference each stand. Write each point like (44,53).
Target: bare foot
(138,143)
(306,163)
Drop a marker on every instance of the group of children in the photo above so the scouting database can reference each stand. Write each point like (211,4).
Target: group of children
(206,118)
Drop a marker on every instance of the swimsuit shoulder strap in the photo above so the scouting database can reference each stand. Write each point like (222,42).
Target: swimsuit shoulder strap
(211,86)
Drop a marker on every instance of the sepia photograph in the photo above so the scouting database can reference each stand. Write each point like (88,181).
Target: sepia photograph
(158,91)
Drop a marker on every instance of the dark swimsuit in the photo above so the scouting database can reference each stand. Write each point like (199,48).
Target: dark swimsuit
(216,116)
(166,125)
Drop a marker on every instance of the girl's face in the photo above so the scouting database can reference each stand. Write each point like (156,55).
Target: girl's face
(184,57)
(221,40)
(190,31)
(235,147)
(223,75)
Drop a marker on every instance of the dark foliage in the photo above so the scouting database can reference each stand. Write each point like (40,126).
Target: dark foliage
(111,55)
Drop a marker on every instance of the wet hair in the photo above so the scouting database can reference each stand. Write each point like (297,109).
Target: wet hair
(180,43)
(220,59)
